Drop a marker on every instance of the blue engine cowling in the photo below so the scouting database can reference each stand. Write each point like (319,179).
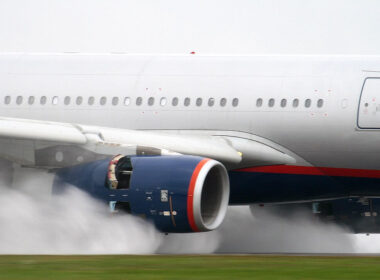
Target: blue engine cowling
(178,193)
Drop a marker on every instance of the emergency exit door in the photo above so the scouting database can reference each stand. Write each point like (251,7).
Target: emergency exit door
(369,105)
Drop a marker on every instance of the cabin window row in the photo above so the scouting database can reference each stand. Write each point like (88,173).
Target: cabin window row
(163,101)
(271,102)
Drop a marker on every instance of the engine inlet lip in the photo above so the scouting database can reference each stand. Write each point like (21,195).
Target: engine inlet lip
(216,222)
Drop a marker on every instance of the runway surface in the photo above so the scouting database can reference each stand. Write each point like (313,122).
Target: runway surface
(263,266)
(301,254)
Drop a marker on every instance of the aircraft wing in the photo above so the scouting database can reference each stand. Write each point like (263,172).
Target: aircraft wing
(47,144)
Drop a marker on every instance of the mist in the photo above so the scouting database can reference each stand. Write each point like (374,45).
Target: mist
(34,222)
(263,231)
(72,223)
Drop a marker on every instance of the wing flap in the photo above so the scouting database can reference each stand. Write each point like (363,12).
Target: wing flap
(207,146)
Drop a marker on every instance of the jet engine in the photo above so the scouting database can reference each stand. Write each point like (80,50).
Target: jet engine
(178,193)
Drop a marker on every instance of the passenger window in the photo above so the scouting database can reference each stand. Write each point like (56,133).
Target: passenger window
(307,103)
(320,103)
(43,100)
(91,100)
(198,101)
(271,102)
(235,102)
(79,100)
(19,100)
(259,102)
(223,102)
(31,100)
(127,101)
(54,101)
(7,100)
(295,103)
(186,101)
(175,101)
(115,101)
(138,101)
(163,101)
(283,102)
(66,101)
(211,102)
(103,100)
(150,101)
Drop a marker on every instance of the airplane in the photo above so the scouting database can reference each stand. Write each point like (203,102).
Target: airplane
(178,138)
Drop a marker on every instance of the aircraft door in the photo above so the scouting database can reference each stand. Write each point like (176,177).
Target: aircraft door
(369,105)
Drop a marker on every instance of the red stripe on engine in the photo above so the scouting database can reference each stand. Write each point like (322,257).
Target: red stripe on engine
(311,170)
(190,194)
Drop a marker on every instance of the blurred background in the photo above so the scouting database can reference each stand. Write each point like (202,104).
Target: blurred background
(170,26)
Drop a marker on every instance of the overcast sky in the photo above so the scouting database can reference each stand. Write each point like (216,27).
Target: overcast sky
(174,26)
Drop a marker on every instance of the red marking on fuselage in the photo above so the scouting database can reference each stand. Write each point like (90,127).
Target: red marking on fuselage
(190,194)
(311,170)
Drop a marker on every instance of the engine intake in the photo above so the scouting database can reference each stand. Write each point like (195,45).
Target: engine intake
(178,193)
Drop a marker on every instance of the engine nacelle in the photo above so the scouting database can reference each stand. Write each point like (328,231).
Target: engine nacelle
(178,193)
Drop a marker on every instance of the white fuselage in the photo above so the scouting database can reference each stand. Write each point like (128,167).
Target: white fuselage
(322,129)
